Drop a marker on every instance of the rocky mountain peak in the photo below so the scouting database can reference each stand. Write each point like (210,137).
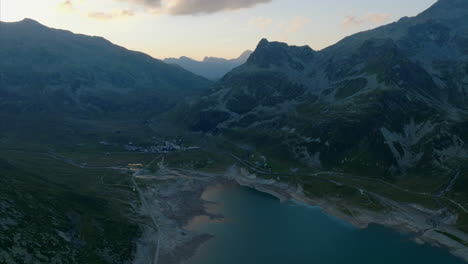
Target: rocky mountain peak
(277,53)
(244,56)
(25,24)
(29,21)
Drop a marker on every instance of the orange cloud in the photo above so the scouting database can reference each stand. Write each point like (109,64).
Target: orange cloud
(369,19)
(289,28)
(66,6)
(261,22)
(112,15)
(296,24)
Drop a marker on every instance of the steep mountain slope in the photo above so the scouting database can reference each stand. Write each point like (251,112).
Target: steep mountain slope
(64,196)
(383,103)
(81,70)
(54,75)
(210,68)
(379,116)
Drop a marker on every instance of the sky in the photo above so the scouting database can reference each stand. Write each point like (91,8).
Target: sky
(218,28)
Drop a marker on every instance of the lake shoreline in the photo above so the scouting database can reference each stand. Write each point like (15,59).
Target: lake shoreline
(182,243)
(410,219)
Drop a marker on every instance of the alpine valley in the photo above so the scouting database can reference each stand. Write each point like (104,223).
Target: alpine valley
(105,153)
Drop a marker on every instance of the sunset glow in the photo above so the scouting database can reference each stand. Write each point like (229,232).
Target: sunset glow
(211,28)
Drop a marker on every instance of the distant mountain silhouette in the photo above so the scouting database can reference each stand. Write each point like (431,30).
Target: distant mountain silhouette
(211,68)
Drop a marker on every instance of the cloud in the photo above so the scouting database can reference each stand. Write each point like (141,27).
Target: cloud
(295,24)
(261,22)
(80,7)
(66,6)
(379,18)
(369,19)
(111,15)
(193,7)
(289,29)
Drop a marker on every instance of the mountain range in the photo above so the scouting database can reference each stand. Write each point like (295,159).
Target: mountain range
(67,93)
(210,67)
(387,105)
(54,78)
(385,102)
(384,111)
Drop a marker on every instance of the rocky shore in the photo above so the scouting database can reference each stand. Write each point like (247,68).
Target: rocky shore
(173,199)
(408,218)
(178,200)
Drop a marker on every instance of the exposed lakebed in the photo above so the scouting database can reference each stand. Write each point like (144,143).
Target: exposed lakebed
(258,228)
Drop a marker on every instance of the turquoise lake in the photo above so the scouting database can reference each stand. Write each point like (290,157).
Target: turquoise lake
(260,229)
